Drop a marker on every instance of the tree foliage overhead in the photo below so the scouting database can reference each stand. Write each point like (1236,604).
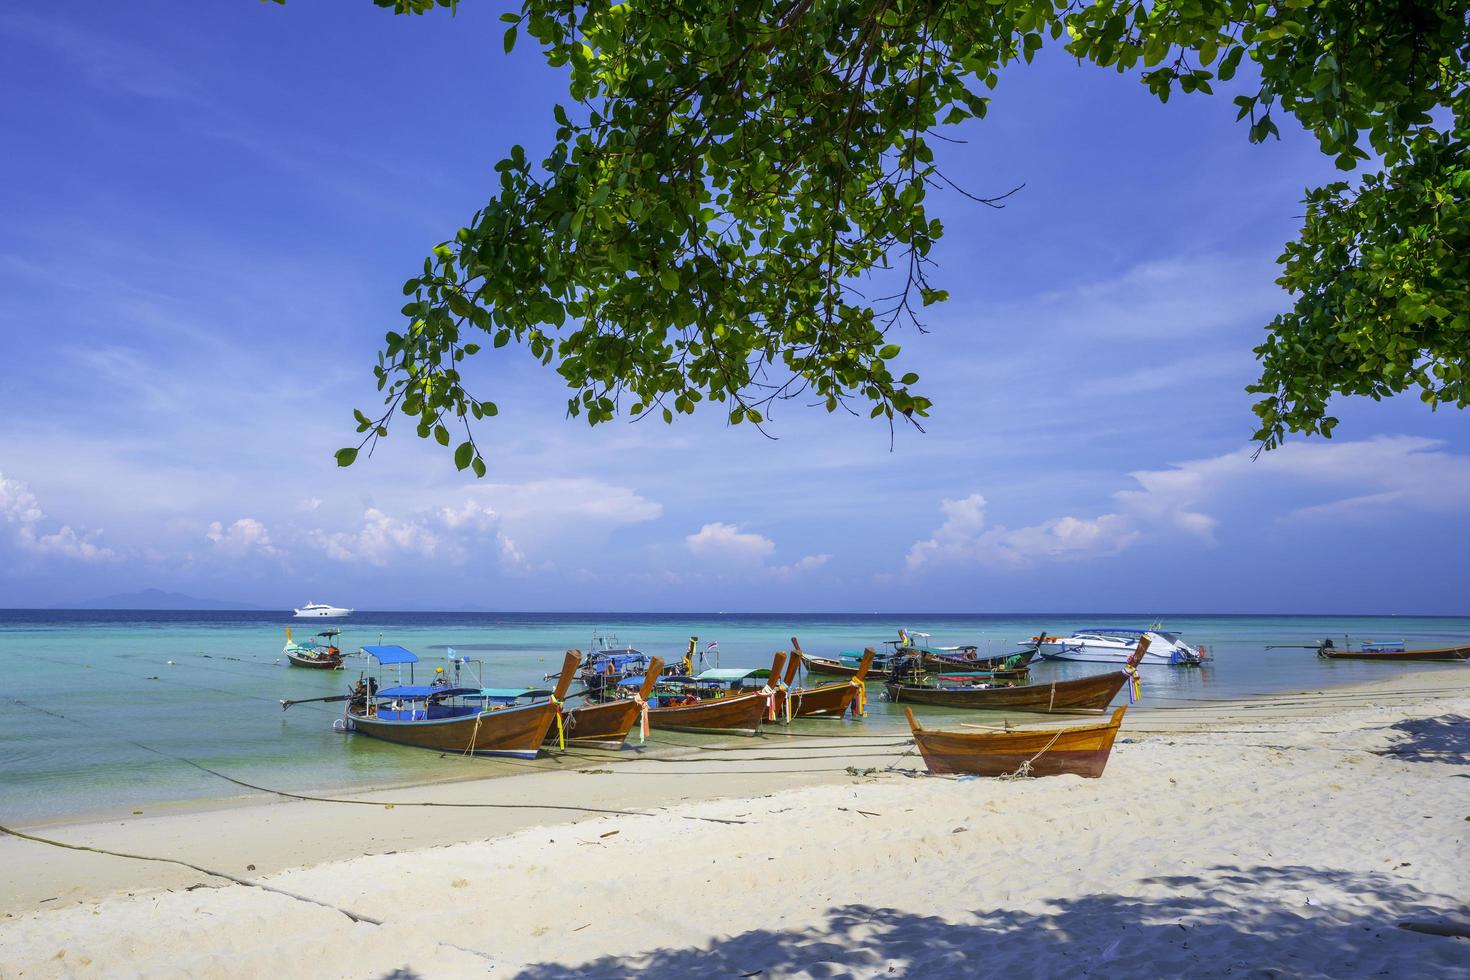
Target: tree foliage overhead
(734,206)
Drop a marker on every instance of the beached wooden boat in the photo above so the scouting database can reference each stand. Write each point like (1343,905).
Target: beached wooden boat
(715,701)
(313,655)
(1081,751)
(1085,694)
(606,724)
(1393,653)
(823,700)
(463,720)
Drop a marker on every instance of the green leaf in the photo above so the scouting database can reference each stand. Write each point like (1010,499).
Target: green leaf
(345,457)
(463,453)
(509,42)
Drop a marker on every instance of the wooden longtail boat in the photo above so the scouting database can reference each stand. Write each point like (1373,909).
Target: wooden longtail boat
(943,662)
(973,676)
(847,666)
(317,656)
(824,700)
(1083,695)
(1082,751)
(457,719)
(606,725)
(1392,653)
(721,711)
(828,666)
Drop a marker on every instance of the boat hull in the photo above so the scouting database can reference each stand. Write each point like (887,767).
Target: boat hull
(1081,751)
(1094,654)
(835,668)
(742,714)
(823,701)
(516,732)
(1443,655)
(1086,694)
(314,663)
(597,726)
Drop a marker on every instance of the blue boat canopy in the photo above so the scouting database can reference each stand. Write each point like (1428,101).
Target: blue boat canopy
(391,655)
(631,681)
(420,692)
(619,661)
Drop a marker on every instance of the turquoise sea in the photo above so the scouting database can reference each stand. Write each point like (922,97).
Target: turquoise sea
(100,707)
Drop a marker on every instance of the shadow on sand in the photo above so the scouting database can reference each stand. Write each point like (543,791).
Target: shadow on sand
(1445,738)
(1259,921)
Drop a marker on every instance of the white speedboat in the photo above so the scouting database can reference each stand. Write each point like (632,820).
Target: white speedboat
(1113,646)
(320,610)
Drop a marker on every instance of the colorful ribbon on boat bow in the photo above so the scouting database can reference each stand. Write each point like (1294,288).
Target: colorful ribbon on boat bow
(642,718)
(1135,685)
(561,735)
(860,703)
(770,695)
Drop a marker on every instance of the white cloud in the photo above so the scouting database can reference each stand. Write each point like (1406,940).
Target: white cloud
(66,543)
(1166,298)
(1399,472)
(471,515)
(727,541)
(965,537)
(19,506)
(450,534)
(380,539)
(240,538)
(17,502)
(785,573)
(557,502)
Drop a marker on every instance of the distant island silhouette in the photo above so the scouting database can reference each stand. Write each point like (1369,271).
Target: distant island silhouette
(157,599)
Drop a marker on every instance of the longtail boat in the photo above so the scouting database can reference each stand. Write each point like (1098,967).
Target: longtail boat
(845,664)
(1392,653)
(714,702)
(982,676)
(608,664)
(1081,751)
(947,662)
(466,720)
(319,656)
(606,724)
(824,700)
(1082,695)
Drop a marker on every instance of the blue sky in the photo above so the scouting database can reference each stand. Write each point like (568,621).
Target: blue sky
(209,210)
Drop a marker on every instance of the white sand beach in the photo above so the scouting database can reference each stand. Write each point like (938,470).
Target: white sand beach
(1287,836)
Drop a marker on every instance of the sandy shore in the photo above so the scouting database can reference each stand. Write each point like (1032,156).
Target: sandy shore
(1288,835)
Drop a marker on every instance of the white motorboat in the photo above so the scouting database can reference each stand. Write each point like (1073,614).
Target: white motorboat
(320,610)
(1113,646)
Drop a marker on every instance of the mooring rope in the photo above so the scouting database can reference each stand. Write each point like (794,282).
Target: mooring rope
(354,916)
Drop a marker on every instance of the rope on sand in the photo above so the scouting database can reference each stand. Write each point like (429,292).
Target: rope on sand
(354,916)
(1024,770)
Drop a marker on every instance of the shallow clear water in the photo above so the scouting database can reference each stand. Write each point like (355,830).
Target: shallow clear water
(108,676)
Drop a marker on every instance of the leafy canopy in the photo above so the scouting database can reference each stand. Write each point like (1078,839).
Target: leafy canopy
(726,176)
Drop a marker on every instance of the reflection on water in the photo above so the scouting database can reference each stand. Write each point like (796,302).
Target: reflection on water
(218,702)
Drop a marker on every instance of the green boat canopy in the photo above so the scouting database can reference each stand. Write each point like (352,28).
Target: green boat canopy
(733,673)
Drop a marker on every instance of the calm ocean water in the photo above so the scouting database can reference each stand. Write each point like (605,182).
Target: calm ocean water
(90,694)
